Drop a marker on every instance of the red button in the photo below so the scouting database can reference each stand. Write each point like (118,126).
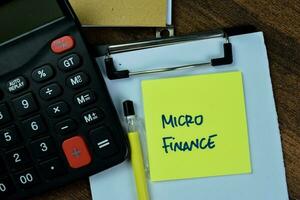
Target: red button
(62,44)
(76,151)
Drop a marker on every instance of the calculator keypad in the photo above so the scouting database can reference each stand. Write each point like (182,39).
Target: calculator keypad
(53,119)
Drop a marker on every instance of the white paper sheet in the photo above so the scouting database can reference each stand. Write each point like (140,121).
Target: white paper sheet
(267,182)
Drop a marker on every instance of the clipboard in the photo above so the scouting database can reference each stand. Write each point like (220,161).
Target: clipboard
(193,55)
(227,58)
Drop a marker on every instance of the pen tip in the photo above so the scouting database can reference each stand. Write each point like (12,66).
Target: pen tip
(128,108)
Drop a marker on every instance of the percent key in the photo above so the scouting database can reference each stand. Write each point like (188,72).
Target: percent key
(42,73)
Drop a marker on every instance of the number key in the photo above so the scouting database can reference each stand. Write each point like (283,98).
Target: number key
(4,114)
(26,178)
(42,148)
(25,104)
(17,158)
(6,187)
(34,126)
(9,136)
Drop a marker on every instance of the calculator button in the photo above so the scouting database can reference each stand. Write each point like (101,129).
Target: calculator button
(62,44)
(52,168)
(4,114)
(6,187)
(34,126)
(85,98)
(1,94)
(26,178)
(43,73)
(2,166)
(92,116)
(9,136)
(69,62)
(65,126)
(78,80)
(58,109)
(103,142)
(25,104)
(17,158)
(76,152)
(51,91)
(17,84)
(42,148)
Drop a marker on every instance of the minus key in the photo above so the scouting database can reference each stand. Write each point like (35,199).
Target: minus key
(65,126)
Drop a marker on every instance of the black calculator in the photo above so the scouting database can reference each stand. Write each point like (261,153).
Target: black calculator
(57,120)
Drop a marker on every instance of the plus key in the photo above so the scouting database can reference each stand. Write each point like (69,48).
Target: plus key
(76,152)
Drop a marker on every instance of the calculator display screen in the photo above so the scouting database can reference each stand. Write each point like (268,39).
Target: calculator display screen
(18,17)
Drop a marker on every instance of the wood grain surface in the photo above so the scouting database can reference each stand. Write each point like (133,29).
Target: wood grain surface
(280,22)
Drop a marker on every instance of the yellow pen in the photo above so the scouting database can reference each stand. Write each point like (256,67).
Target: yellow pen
(136,153)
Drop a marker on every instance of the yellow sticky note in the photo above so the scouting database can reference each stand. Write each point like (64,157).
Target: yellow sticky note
(196,126)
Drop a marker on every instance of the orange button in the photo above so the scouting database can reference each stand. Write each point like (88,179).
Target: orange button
(62,44)
(76,151)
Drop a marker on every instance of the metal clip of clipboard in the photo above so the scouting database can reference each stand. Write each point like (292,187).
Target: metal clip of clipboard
(113,73)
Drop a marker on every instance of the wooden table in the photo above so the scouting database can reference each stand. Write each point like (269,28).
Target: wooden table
(279,20)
